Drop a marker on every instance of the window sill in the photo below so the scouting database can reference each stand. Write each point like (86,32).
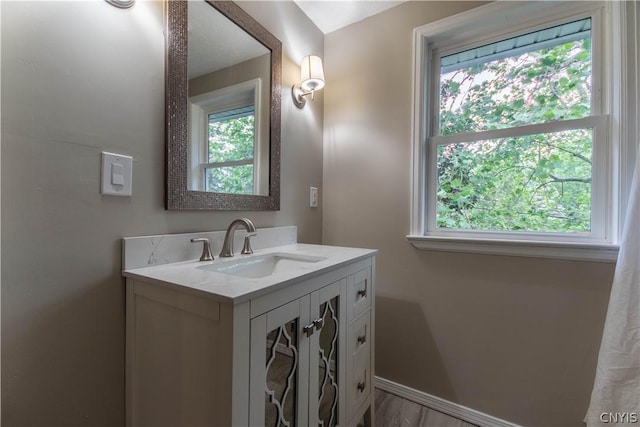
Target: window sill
(533,249)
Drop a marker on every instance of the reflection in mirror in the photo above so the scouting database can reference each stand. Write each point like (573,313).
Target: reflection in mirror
(223,109)
(228,74)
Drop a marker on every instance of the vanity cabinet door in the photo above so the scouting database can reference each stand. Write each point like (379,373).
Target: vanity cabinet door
(297,362)
(279,366)
(327,356)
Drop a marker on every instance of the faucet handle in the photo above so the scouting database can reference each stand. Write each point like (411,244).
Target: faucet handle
(246,249)
(206,249)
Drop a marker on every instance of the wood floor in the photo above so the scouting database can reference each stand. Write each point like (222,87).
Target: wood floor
(394,411)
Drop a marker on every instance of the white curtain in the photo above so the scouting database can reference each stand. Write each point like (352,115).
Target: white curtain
(615,398)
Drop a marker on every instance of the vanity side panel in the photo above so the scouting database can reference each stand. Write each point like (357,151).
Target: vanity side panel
(178,350)
(370,416)
(129,352)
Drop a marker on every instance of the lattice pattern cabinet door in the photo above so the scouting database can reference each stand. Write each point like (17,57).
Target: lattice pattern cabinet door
(279,366)
(297,370)
(327,356)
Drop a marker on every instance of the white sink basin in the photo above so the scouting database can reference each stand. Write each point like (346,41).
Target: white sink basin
(262,265)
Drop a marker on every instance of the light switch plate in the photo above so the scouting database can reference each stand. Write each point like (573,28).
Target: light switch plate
(116,174)
(313,197)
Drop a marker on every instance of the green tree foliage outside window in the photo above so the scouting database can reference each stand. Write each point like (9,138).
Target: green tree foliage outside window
(230,155)
(539,183)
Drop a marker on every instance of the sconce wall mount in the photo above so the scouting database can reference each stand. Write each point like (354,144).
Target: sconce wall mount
(312,79)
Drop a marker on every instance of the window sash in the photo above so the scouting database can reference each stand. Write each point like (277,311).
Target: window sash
(204,168)
(529,41)
(223,115)
(599,183)
(515,131)
(230,163)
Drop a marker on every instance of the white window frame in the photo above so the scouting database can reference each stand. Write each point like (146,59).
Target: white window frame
(613,107)
(216,101)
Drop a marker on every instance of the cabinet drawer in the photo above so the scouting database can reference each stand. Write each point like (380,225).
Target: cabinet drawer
(359,293)
(358,382)
(358,336)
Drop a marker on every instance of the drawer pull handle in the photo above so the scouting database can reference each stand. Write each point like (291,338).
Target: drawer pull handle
(362,339)
(362,292)
(361,386)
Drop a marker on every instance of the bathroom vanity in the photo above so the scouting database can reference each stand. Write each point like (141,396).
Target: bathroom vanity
(283,336)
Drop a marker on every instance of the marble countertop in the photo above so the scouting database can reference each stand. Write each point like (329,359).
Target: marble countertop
(233,289)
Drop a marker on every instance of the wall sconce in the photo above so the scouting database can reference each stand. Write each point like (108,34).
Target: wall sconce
(122,4)
(312,79)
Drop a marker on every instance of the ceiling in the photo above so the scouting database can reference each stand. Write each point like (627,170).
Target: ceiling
(216,43)
(330,15)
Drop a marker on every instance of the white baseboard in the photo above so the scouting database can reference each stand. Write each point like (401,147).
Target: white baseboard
(455,410)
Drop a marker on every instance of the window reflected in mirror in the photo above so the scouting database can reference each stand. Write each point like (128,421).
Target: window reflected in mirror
(228,153)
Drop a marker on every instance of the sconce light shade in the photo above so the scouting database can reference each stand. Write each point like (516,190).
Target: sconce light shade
(122,4)
(312,79)
(311,73)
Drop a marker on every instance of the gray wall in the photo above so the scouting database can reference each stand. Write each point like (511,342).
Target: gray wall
(79,78)
(516,338)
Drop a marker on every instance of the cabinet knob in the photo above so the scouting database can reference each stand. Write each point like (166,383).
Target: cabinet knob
(309,329)
(318,323)
(362,339)
(361,386)
(362,292)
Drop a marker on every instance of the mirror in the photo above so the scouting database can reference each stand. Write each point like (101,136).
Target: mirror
(222,109)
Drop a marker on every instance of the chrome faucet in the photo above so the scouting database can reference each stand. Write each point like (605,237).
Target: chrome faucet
(227,247)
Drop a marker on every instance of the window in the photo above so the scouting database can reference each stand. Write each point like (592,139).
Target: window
(513,149)
(514,135)
(224,142)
